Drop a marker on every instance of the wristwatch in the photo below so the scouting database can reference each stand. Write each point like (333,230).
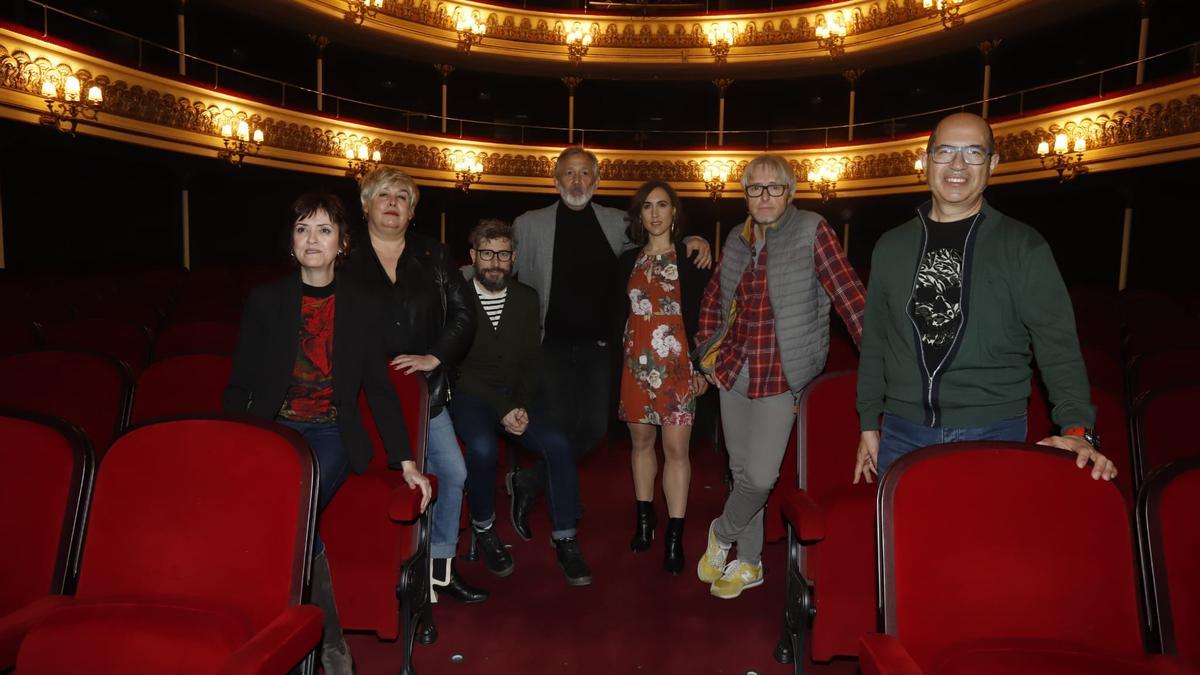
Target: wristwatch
(1085,433)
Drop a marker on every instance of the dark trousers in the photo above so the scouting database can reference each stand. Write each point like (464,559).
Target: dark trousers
(576,386)
(477,424)
(326,441)
(900,436)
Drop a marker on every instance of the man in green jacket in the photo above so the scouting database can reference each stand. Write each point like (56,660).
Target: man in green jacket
(960,298)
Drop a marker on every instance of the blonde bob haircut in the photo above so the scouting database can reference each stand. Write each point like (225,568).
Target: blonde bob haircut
(777,165)
(385,177)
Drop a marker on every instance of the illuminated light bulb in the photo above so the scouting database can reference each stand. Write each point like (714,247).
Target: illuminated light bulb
(919,165)
(1060,144)
(258,136)
(1043,148)
(243,131)
(95,95)
(72,88)
(49,90)
(349,153)
(376,156)
(1080,145)
(363,151)
(227,131)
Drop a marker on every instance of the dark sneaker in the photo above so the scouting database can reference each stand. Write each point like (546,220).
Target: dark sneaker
(523,497)
(493,551)
(570,559)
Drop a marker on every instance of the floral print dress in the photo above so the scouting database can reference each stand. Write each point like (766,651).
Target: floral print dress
(656,380)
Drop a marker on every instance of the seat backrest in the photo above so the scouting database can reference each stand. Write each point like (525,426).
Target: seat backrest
(1167,506)
(1112,425)
(1168,368)
(189,384)
(1158,418)
(46,469)
(196,337)
(88,390)
(414,404)
(216,511)
(122,340)
(829,433)
(1004,540)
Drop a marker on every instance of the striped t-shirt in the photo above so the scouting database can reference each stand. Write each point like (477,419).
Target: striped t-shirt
(493,303)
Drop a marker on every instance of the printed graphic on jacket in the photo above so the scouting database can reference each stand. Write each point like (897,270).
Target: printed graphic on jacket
(937,302)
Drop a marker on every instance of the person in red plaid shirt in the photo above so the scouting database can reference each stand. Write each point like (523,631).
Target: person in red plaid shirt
(763,336)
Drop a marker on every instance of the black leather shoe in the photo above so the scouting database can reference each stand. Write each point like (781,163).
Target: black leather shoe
(493,551)
(570,559)
(455,588)
(643,528)
(523,497)
(673,546)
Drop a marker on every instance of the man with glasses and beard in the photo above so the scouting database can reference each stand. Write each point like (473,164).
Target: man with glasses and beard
(764,335)
(569,256)
(497,384)
(946,350)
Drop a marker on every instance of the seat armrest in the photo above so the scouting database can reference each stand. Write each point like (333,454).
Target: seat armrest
(882,654)
(404,505)
(15,625)
(804,516)
(280,645)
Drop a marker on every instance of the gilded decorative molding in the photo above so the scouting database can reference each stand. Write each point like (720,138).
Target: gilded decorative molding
(1146,126)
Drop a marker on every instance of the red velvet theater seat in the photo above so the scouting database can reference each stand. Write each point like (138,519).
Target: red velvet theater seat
(1112,425)
(125,341)
(196,557)
(46,469)
(88,390)
(1167,507)
(196,337)
(377,545)
(1158,419)
(1169,368)
(181,385)
(831,543)
(1005,558)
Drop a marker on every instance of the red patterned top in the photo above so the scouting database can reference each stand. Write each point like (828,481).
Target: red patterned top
(310,395)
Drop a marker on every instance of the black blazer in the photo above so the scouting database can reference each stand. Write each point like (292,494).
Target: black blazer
(692,281)
(506,358)
(266,355)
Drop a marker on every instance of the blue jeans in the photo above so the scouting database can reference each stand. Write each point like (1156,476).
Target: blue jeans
(444,459)
(900,436)
(332,465)
(478,423)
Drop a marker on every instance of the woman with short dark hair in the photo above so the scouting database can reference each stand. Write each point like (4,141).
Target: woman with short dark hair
(659,385)
(306,346)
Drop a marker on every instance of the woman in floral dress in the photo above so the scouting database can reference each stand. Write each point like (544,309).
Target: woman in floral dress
(659,386)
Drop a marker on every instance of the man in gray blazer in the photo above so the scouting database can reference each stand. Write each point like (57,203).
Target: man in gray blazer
(569,256)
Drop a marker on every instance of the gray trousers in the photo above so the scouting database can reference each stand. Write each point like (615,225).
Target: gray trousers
(756,435)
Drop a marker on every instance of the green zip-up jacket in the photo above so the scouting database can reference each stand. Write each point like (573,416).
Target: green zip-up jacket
(1014,307)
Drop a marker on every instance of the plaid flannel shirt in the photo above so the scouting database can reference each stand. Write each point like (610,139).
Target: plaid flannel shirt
(752,335)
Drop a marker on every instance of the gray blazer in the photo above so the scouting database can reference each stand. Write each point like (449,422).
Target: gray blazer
(534,231)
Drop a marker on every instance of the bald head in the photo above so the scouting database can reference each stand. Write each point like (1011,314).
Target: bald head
(963,121)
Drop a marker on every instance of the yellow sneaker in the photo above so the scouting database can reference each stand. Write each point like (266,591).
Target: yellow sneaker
(738,577)
(712,563)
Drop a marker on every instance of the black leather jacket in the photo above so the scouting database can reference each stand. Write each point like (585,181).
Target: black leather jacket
(429,312)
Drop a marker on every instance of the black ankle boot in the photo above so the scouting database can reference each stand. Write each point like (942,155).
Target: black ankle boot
(643,530)
(673,546)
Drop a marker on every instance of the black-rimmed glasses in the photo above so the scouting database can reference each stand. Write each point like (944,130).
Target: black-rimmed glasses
(488,254)
(773,189)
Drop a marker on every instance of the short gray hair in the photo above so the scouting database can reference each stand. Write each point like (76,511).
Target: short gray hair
(778,166)
(573,151)
(383,177)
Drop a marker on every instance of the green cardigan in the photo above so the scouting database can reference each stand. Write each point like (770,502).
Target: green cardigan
(505,358)
(1015,306)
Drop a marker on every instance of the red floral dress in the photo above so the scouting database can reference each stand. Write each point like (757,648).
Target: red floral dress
(656,381)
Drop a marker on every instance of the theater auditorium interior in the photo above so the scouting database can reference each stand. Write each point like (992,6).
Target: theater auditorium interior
(150,154)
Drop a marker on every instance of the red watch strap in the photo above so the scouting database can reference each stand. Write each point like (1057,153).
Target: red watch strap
(1075,431)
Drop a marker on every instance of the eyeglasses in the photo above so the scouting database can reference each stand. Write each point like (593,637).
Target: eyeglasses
(971,154)
(488,254)
(773,189)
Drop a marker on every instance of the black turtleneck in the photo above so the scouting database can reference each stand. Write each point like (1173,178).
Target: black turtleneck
(581,281)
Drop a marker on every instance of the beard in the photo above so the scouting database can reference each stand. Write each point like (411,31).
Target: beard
(579,200)
(493,282)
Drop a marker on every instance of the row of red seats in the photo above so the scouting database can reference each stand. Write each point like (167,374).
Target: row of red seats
(833,581)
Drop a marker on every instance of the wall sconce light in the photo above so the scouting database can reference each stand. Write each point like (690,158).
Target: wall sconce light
(721,37)
(1065,157)
(823,178)
(832,34)
(919,167)
(361,9)
(239,142)
(577,42)
(946,10)
(66,106)
(715,176)
(470,30)
(467,169)
(361,160)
